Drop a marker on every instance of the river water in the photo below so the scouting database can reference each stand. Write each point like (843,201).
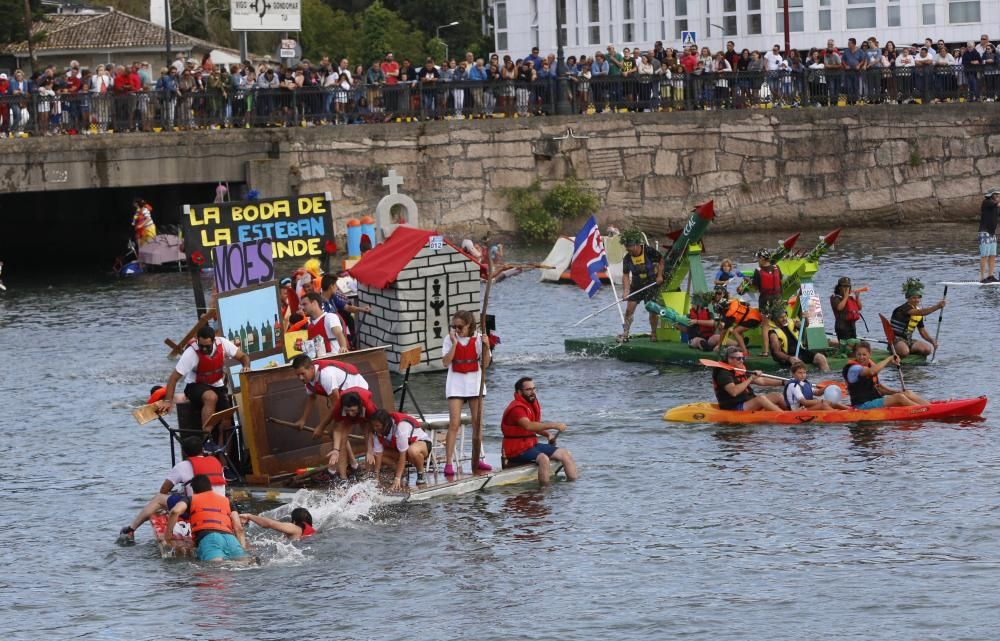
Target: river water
(768,532)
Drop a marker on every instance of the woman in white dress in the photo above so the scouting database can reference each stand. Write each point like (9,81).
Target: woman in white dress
(464,351)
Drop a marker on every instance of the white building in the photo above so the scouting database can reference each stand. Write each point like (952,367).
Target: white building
(755,24)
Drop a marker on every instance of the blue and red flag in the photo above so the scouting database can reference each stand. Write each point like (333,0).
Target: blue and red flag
(589,258)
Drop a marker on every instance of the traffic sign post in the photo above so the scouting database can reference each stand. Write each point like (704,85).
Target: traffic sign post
(689,38)
(265,15)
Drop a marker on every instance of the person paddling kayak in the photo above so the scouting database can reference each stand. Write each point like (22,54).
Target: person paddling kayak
(861,375)
(732,387)
(909,317)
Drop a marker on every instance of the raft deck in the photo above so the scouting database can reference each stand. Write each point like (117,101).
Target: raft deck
(639,349)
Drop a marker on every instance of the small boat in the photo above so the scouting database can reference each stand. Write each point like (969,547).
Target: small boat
(561,255)
(639,349)
(710,413)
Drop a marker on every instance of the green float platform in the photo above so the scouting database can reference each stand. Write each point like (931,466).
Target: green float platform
(640,350)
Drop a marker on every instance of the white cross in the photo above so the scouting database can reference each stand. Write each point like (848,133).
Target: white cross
(392,181)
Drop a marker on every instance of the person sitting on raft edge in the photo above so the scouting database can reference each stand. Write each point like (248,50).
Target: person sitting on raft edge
(909,317)
(522,424)
(732,387)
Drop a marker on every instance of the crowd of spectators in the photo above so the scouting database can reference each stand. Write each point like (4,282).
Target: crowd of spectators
(189,95)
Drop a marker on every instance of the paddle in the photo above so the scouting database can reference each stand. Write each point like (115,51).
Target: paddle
(937,332)
(477,422)
(617,302)
(719,364)
(890,336)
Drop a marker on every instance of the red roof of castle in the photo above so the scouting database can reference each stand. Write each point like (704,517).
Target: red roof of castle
(380,266)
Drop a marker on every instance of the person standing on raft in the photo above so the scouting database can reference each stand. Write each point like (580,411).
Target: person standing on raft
(641,267)
(522,425)
(847,308)
(988,214)
(909,317)
(767,280)
(465,352)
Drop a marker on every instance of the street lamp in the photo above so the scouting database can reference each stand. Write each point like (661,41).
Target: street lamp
(437,36)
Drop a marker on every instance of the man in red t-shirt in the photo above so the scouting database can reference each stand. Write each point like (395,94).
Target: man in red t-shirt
(391,93)
(690,59)
(391,69)
(522,424)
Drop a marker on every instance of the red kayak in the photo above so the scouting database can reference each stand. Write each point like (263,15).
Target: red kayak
(710,413)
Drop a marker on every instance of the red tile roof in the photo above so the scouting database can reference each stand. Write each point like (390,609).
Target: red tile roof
(102,31)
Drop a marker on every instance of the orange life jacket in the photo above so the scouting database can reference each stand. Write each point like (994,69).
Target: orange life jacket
(209,466)
(466,360)
(516,439)
(210,513)
(739,312)
(316,388)
(211,367)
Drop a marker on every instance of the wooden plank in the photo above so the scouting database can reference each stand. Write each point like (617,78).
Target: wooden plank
(178,347)
(145,414)
(218,417)
(410,358)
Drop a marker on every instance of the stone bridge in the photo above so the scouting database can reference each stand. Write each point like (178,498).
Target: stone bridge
(787,168)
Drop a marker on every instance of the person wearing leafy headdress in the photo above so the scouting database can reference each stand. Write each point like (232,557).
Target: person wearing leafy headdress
(702,328)
(642,266)
(909,317)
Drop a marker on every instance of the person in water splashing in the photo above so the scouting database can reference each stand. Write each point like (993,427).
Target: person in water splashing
(300,527)
(216,526)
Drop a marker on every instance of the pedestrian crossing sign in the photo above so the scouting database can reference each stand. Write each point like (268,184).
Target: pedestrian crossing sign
(689,38)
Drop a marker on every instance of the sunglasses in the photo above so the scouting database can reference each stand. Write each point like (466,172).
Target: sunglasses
(457,326)
(737,358)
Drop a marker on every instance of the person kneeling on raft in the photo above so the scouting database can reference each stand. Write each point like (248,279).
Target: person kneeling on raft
(397,438)
(732,387)
(522,424)
(861,375)
(799,393)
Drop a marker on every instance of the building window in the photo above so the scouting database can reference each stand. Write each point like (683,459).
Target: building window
(729,26)
(753,23)
(680,26)
(893,15)
(500,15)
(753,5)
(594,17)
(628,20)
(928,14)
(680,7)
(959,12)
(796,20)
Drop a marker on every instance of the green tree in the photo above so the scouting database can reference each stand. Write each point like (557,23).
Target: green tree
(382,31)
(13,27)
(327,32)
(428,16)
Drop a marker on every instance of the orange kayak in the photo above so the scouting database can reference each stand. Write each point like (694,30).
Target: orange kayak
(710,413)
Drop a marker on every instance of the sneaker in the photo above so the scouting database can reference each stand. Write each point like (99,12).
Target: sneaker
(449,470)
(421,480)
(211,447)
(126,536)
(483,466)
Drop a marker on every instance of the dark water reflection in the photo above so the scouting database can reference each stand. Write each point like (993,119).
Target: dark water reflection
(770,532)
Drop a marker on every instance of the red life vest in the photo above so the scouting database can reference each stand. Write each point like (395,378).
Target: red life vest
(210,467)
(367,406)
(210,513)
(770,280)
(315,386)
(516,439)
(318,328)
(398,417)
(211,368)
(466,360)
(703,331)
(307,530)
(852,313)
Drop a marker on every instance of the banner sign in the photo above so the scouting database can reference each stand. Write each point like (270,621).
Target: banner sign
(297,227)
(265,15)
(242,264)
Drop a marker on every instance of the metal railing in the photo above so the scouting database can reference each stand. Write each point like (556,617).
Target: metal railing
(47,113)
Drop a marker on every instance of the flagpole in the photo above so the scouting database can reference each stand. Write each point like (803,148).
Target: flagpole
(611,279)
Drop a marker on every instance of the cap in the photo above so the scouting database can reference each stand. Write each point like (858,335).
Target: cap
(989,192)
(285,282)
(762,253)
(843,281)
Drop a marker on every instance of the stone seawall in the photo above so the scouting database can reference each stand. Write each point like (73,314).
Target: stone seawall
(778,168)
(764,168)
